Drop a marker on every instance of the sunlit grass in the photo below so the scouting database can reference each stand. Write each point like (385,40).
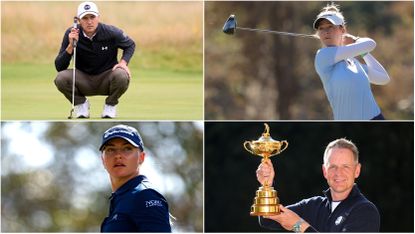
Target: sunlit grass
(28,92)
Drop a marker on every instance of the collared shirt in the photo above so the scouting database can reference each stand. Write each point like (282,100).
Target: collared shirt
(136,207)
(90,38)
(97,54)
(353,214)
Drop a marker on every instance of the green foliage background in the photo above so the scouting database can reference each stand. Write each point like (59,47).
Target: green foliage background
(70,193)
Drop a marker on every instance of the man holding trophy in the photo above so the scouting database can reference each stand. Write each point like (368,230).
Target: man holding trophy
(343,208)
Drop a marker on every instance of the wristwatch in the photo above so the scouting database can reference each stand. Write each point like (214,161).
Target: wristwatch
(297,226)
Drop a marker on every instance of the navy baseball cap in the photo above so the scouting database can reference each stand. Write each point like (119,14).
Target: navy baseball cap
(125,132)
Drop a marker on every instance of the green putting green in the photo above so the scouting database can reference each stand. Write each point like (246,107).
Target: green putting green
(28,93)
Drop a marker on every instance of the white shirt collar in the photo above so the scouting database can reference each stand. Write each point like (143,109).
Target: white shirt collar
(90,38)
(334,204)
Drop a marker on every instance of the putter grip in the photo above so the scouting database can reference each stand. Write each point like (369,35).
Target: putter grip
(75,25)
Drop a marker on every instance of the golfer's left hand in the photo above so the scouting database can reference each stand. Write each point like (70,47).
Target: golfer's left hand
(123,65)
(287,218)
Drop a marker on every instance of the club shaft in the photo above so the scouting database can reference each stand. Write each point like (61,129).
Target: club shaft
(73,77)
(277,32)
(75,25)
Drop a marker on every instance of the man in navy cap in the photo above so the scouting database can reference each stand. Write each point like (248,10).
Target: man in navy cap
(135,206)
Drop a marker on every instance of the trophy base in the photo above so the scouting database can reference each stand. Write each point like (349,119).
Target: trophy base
(258,210)
(266,202)
(263,214)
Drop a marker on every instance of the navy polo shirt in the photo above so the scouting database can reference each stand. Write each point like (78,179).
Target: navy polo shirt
(137,207)
(354,214)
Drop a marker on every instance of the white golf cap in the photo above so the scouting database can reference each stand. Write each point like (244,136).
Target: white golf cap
(334,17)
(86,8)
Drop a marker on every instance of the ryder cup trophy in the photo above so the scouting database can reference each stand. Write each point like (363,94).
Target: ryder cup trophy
(266,201)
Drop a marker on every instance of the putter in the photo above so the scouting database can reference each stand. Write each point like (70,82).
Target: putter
(230,27)
(75,25)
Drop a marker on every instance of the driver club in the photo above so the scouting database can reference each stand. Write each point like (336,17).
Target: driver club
(230,27)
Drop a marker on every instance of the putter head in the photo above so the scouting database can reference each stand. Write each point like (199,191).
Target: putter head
(70,114)
(230,25)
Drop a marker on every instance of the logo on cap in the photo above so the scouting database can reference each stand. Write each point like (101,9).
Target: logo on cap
(87,7)
(125,132)
(117,131)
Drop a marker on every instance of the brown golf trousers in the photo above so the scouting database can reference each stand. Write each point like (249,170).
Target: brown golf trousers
(109,83)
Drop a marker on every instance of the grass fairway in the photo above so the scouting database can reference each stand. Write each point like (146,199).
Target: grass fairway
(28,93)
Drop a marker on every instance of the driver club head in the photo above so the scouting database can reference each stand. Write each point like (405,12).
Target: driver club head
(230,25)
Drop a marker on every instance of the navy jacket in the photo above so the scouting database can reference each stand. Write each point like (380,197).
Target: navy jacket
(136,207)
(354,214)
(100,54)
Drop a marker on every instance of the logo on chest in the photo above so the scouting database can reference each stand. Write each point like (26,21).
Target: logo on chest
(339,220)
(104,48)
(151,203)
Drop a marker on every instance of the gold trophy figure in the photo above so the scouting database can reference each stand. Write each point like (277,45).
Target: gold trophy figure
(266,201)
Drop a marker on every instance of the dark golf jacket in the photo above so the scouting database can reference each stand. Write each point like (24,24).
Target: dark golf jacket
(99,54)
(354,214)
(137,207)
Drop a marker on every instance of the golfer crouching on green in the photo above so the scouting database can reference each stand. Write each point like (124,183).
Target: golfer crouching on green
(98,71)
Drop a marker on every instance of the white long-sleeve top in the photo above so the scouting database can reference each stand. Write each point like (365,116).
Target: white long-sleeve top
(347,82)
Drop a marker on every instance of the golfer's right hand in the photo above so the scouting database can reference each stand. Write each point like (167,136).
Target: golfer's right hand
(265,172)
(74,34)
(349,39)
